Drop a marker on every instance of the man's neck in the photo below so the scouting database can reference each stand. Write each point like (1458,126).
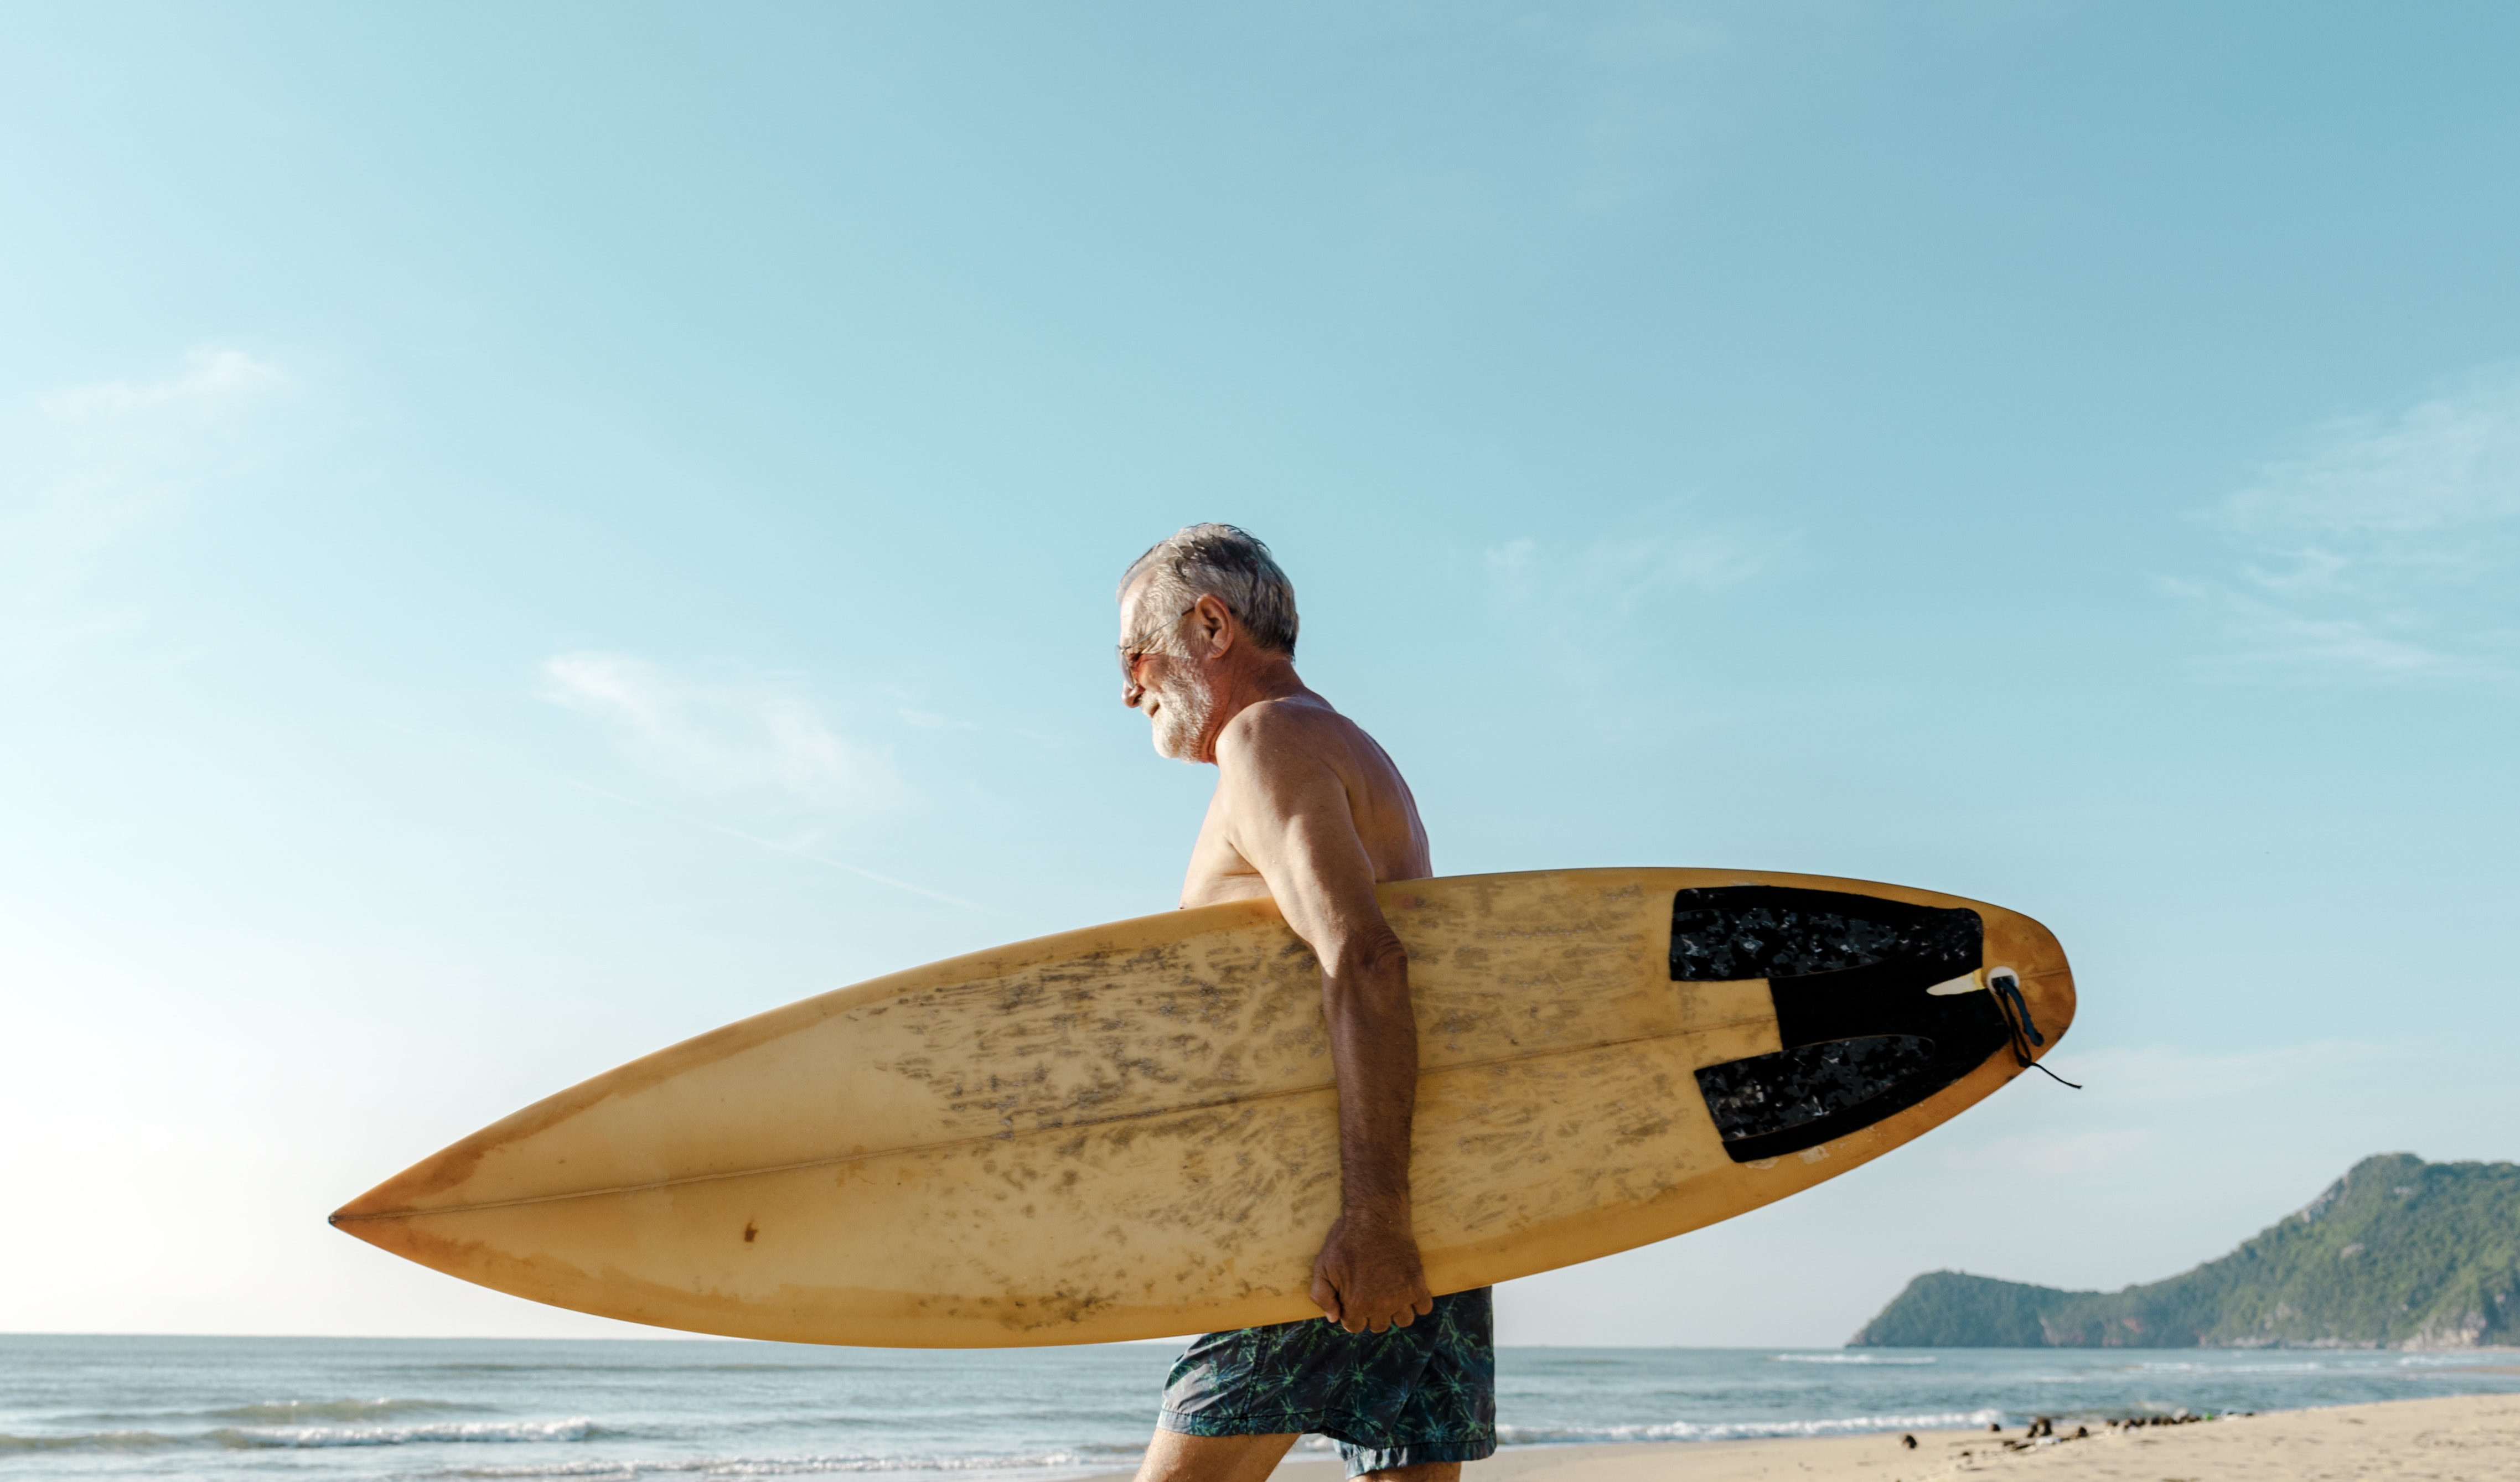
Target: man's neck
(1241,685)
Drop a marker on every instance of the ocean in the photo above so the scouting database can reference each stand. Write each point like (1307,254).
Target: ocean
(323,1409)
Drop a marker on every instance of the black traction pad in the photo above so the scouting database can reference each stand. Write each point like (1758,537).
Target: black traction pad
(1848,973)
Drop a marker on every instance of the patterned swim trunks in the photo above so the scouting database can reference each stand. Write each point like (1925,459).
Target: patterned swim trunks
(1403,1397)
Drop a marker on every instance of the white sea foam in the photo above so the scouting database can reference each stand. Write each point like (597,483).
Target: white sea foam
(1901,1361)
(251,1436)
(803,1465)
(2173,1367)
(792,1467)
(1742,1430)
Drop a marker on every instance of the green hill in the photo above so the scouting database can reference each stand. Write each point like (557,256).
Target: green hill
(2399,1253)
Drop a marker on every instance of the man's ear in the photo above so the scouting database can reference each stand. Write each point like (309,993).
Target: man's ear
(1214,626)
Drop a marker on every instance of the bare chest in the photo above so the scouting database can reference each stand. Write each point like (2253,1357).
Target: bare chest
(1218,871)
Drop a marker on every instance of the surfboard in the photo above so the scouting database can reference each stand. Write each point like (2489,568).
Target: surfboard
(1131,1131)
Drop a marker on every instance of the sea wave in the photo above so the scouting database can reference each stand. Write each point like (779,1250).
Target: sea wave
(305,1411)
(1849,1357)
(265,1411)
(785,1466)
(2173,1367)
(806,1465)
(1742,1430)
(245,1437)
(92,1440)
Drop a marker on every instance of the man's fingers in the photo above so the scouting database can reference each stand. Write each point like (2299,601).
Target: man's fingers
(1381,1318)
(1360,1296)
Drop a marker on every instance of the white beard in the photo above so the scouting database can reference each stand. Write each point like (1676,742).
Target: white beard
(1183,704)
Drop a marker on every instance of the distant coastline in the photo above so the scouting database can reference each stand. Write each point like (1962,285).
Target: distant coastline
(2398,1254)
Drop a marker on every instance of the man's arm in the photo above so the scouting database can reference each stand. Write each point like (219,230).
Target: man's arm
(1287,813)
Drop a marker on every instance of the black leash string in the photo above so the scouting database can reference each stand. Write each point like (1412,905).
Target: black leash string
(2016,1017)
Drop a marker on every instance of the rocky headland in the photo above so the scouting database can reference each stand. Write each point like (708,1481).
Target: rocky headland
(2399,1253)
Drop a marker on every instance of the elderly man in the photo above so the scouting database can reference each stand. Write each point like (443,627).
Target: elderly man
(1310,813)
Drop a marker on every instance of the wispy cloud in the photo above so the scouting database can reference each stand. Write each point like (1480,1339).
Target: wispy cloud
(762,737)
(214,385)
(805,851)
(2164,1073)
(1619,573)
(102,463)
(930,720)
(1589,617)
(2387,546)
(2149,1096)
(2086,1153)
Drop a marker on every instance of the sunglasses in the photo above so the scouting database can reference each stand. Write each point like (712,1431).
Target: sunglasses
(1131,653)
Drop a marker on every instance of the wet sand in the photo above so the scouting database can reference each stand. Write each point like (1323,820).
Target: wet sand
(2466,1439)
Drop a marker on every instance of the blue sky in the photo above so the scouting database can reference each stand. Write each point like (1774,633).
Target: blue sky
(525,536)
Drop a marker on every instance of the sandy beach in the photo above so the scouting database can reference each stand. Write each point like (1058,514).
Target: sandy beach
(2467,1439)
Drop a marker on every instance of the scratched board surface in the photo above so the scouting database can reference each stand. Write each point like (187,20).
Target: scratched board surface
(1131,1131)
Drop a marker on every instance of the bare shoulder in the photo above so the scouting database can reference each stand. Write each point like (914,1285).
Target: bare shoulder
(1276,730)
(1297,756)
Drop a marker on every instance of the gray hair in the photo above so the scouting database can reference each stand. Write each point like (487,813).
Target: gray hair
(1227,564)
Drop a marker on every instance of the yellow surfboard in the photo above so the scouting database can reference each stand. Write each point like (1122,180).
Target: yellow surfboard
(1131,1131)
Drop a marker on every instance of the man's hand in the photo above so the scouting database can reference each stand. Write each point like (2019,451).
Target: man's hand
(1368,1276)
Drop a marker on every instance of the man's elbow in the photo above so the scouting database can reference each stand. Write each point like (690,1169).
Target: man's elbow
(1373,952)
(1371,969)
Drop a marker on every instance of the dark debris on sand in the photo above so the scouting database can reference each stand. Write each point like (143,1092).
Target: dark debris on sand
(2042,1430)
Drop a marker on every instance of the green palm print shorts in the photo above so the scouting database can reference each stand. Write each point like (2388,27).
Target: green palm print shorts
(1402,1397)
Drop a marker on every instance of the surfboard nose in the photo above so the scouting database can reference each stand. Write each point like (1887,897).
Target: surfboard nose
(2046,979)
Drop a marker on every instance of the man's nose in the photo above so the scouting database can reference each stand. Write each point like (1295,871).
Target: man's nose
(1130,691)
